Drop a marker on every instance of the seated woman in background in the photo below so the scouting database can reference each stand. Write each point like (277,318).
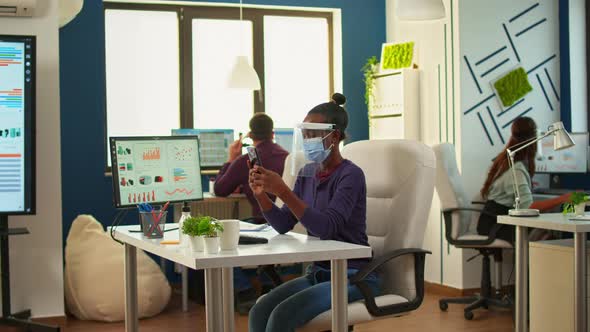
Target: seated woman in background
(330,202)
(498,189)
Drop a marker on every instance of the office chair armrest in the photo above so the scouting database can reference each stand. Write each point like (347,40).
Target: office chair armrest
(359,280)
(447,214)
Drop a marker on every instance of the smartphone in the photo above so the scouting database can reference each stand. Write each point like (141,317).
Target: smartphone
(254,156)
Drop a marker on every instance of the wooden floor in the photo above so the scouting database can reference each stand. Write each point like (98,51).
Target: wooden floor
(427,318)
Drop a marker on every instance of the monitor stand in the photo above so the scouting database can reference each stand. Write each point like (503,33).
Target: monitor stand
(20,319)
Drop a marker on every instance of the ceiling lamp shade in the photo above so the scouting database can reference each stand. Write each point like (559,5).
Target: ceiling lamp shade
(68,9)
(420,10)
(243,76)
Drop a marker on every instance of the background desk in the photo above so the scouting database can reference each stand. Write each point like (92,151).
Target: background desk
(287,248)
(557,222)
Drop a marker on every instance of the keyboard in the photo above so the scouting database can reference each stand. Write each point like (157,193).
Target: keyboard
(248,239)
(554,191)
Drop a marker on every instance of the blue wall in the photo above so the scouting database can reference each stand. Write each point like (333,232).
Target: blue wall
(86,190)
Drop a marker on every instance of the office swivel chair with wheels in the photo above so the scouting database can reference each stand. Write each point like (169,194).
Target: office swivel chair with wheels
(459,215)
(400,185)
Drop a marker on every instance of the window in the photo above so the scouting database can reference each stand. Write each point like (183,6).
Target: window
(297,69)
(216,43)
(142,73)
(168,65)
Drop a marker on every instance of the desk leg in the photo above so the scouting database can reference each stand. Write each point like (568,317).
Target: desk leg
(213,300)
(184,274)
(522,265)
(580,282)
(339,295)
(131,315)
(228,299)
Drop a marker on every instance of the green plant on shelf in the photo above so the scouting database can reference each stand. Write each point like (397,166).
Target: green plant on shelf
(201,226)
(369,70)
(575,199)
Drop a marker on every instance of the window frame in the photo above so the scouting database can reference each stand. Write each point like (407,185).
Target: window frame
(187,12)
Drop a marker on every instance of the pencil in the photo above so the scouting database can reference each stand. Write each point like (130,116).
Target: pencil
(170,242)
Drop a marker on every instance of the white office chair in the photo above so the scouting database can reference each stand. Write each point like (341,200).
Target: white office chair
(400,185)
(459,217)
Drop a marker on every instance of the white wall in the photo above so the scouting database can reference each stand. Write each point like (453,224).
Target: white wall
(579,72)
(436,43)
(473,29)
(36,260)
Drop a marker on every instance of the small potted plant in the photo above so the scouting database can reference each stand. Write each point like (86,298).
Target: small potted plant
(576,204)
(190,227)
(209,229)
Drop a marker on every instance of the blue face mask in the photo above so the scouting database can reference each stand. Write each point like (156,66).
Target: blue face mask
(314,150)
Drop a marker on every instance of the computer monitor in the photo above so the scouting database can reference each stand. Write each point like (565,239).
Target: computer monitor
(284,138)
(155,170)
(214,145)
(571,160)
(17,116)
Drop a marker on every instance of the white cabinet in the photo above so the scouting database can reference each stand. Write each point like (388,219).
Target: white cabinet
(552,285)
(395,110)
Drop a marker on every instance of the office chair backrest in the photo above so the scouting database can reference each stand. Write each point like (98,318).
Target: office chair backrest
(449,187)
(400,185)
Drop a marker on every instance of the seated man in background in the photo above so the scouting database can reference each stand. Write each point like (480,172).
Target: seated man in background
(234,173)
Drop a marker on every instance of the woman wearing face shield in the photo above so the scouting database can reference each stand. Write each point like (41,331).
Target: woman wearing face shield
(329,200)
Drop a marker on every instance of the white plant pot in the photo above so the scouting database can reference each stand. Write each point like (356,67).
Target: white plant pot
(196,243)
(579,209)
(211,245)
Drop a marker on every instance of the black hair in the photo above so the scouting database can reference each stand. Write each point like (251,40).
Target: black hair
(334,113)
(261,127)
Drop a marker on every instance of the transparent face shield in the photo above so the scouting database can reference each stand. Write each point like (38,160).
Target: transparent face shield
(311,147)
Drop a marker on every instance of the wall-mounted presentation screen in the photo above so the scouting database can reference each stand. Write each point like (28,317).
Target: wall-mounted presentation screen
(17,124)
(155,170)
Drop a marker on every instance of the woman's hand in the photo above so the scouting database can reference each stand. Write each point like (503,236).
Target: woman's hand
(266,180)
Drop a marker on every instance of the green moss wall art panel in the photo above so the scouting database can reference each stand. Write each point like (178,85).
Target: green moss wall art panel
(511,87)
(396,56)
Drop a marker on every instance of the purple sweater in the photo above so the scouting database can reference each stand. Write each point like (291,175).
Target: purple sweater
(235,174)
(336,209)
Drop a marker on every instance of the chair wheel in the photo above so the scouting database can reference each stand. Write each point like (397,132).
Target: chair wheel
(443,305)
(468,315)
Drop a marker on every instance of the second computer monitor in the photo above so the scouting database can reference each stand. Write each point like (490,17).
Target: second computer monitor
(284,138)
(214,145)
(570,160)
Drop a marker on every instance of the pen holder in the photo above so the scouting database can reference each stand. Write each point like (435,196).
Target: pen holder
(152,224)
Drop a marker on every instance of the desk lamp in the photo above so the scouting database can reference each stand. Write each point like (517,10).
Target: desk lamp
(561,140)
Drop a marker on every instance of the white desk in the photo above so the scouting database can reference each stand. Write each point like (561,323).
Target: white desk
(557,222)
(287,248)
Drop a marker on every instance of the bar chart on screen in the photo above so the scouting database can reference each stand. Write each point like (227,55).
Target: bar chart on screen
(12,69)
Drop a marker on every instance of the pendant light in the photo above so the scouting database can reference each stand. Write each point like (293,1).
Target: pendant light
(420,10)
(243,75)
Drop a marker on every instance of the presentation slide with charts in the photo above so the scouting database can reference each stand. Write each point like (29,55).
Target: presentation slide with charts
(570,160)
(155,170)
(16,100)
